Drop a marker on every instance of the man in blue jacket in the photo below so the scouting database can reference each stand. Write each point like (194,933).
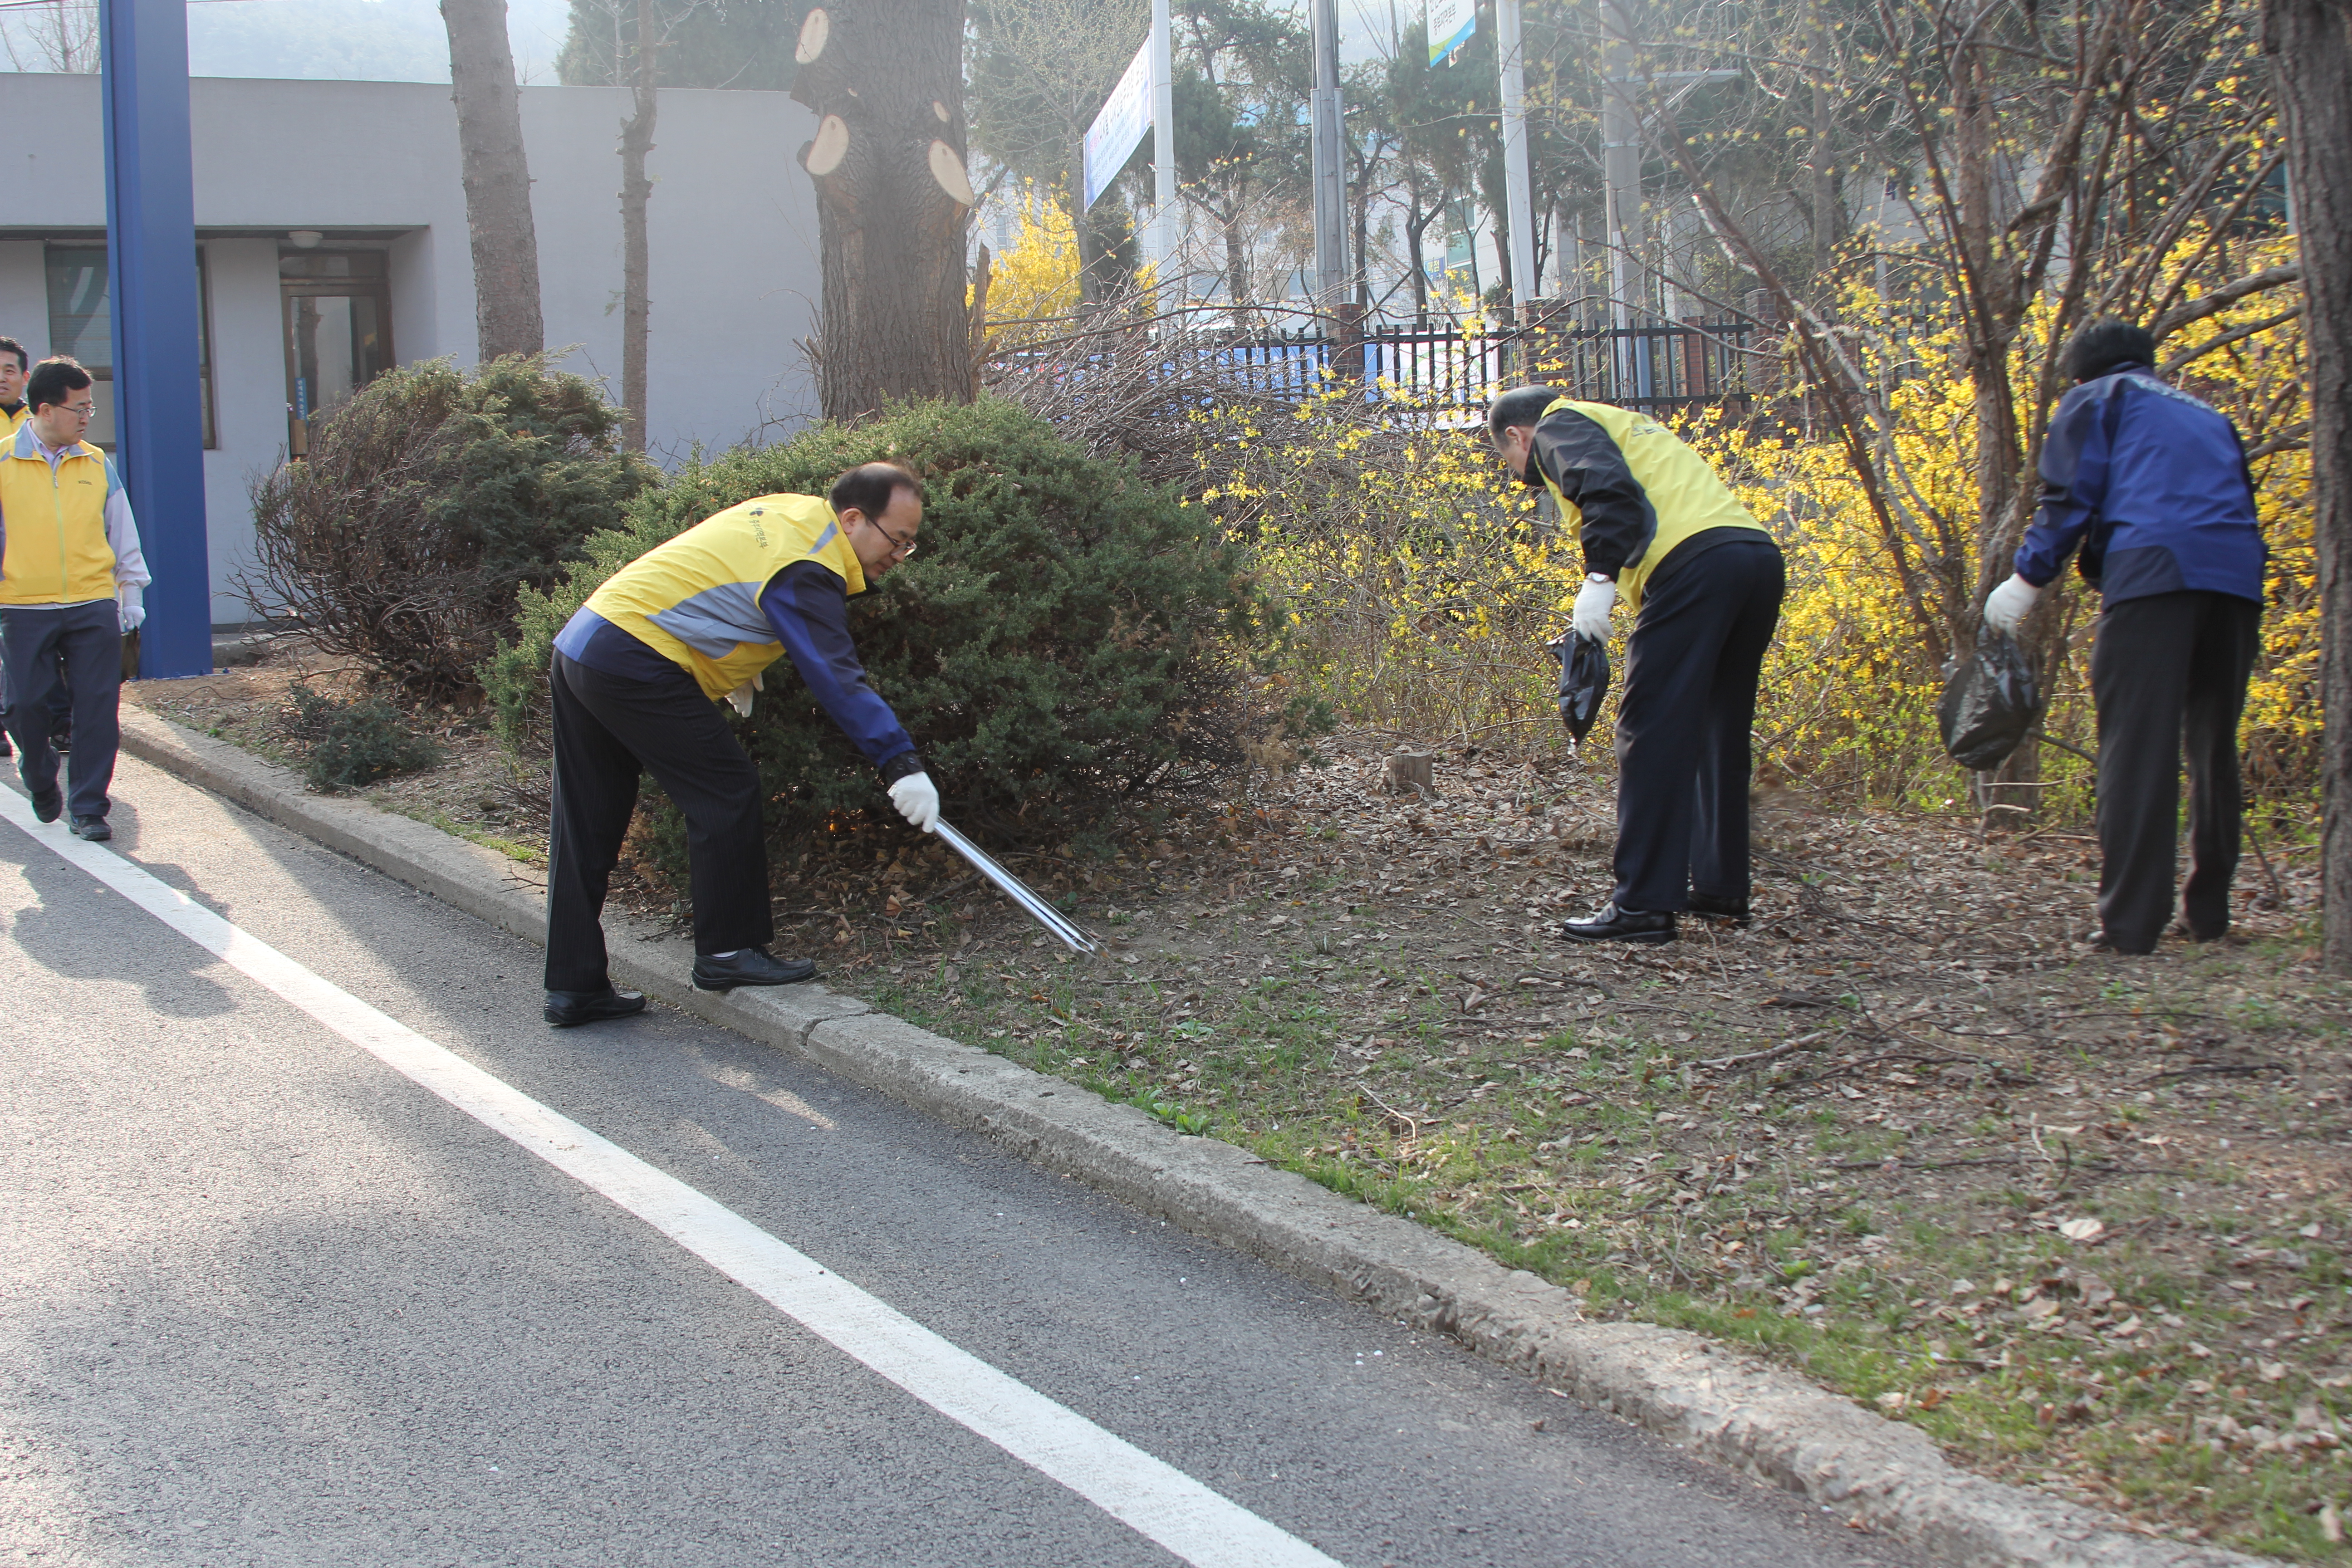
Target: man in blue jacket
(2152,485)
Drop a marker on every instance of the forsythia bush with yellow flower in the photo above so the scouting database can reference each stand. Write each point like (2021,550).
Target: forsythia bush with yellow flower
(1035,280)
(1424,583)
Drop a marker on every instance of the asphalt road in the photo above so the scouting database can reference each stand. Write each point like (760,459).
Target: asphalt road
(263,1299)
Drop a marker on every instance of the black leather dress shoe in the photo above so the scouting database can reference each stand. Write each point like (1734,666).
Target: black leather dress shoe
(1717,908)
(566,1008)
(751,966)
(61,741)
(1610,923)
(47,803)
(93,828)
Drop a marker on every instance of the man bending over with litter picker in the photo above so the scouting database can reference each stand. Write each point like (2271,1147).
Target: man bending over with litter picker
(1705,581)
(639,672)
(2152,484)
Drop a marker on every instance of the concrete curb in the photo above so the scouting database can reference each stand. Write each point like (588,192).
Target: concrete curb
(1881,1473)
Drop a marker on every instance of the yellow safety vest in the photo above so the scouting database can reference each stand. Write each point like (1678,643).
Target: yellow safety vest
(696,600)
(54,522)
(8,422)
(1684,491)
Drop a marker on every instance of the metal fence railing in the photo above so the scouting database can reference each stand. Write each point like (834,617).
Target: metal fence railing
(1437,372)
(1657,369)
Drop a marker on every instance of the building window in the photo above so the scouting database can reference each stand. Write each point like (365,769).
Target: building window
(81,325)
(338,332)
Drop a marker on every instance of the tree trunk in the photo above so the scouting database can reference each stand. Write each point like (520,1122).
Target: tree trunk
(636,141)
(2311,43)
(1992,327)
(497,177)
(894,201)
(1361,223)
(1824,202)
(1991,322)
(1502,247)
(1413,249)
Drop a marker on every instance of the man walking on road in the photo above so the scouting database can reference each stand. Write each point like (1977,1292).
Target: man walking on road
(2152,485)
(16,366)
(72,581)
(1664,533)
(638,674)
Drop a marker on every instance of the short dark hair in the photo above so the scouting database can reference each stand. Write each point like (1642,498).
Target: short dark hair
(52,379)
(869,488)
(1520,405)
(11,346)
(2109,344)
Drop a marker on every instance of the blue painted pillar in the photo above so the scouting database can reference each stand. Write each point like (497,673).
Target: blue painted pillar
(150,257)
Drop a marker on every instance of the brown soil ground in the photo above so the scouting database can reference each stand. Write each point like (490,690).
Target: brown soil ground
(2082,1218)
(476,790)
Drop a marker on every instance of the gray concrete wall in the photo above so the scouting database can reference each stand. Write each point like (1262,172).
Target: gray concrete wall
(732,238)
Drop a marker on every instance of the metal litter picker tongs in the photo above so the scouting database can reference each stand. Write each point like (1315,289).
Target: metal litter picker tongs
(1013,888)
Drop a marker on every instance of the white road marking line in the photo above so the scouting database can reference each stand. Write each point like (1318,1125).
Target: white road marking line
(1153,1497)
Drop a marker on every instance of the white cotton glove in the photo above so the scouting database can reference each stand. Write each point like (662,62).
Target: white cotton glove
(741,698)
(2007,604)
(1593,603)
(130,605)
(918,800)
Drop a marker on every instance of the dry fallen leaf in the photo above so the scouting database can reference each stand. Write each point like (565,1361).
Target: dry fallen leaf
(2083,1229)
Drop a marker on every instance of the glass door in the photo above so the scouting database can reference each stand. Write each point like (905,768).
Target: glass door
(338,333)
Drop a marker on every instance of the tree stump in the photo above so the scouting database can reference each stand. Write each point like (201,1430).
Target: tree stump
(1411,772)
(894,201)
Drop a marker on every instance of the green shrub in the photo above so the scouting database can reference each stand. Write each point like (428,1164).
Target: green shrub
(355,743)
(1066,637)
(426,502)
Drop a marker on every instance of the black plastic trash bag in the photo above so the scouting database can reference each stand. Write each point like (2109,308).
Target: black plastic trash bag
(1990,703)
(1583,681)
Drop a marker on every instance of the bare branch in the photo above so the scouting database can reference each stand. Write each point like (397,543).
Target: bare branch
(2237,334)
(2216,300)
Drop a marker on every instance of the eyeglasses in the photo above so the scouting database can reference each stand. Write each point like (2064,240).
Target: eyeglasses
(78,410)
(902,548)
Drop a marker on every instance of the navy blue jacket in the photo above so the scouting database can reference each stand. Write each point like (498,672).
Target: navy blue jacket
(2152,484)
(809,608)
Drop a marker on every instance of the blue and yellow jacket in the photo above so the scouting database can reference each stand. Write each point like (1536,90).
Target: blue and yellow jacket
(1633,489)
(765,580)
(2152,485)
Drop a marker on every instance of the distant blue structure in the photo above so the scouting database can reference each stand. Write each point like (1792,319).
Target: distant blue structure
(151,255)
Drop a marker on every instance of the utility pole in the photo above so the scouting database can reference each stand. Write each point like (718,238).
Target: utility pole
(1331,167)
(151,265)
(1518,187)
(1165,218)
(1620,177)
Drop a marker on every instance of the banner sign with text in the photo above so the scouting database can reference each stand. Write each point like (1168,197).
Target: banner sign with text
(1112,139)
(1451,23)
